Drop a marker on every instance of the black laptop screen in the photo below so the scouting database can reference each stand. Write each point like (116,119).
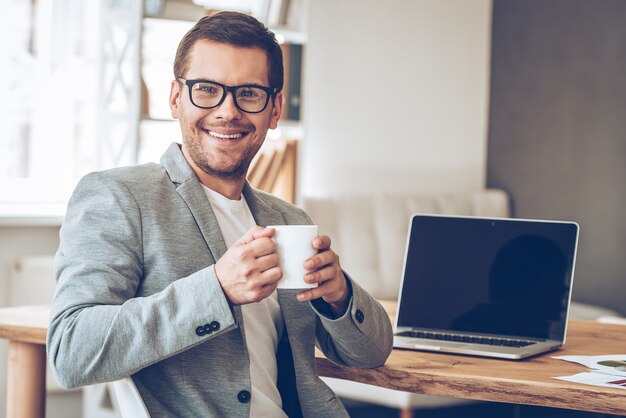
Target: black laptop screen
(495,276)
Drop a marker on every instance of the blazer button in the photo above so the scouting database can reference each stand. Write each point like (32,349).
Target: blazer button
(359,316)
(200,331)
(207,329)
(214,326)
(243,396)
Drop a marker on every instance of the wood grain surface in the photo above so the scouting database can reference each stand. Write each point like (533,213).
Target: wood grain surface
(25,323)
(526,381)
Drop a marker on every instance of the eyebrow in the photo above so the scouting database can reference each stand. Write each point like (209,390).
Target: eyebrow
(238,85)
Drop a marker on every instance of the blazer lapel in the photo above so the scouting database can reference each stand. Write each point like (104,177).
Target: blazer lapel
(189,188)
(263,213)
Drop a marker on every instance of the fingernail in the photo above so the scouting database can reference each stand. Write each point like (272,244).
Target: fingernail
(308,265)
(300,297)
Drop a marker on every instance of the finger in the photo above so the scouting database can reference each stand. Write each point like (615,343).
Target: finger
(266,233)
(321,242)
(261,285)
(255,232)
(320,260)
(260,291)
(322,275)
(270,277)
(267,262)
(262,246)
(314,293)
(268,290)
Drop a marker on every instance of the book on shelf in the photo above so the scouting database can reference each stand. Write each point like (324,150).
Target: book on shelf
(285,184)
(276,13)
(274,169)
(258,167)
(292,63)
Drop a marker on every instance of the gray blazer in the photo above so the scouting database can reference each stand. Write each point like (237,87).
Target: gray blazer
(137,295)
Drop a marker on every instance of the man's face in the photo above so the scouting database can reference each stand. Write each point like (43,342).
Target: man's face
(223,140)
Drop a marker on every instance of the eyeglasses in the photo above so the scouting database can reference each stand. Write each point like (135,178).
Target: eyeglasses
(209,94)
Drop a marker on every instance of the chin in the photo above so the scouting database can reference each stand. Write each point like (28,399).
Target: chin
(236,172)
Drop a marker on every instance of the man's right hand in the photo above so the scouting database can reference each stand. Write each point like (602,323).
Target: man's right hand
(248,272)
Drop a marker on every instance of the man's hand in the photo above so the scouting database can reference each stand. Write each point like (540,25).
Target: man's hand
(325,270)
(248,272)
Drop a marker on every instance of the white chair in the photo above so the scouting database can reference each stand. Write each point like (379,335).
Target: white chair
(129,400)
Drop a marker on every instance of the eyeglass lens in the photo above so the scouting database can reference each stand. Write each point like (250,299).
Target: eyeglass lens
(248,98)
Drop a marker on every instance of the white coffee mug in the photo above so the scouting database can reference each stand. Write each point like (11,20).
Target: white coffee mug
(294,245)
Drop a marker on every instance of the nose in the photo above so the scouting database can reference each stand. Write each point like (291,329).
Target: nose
(227,110)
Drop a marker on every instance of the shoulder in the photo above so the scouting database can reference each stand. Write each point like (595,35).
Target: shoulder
(136,174)
(130,178)
(125,186)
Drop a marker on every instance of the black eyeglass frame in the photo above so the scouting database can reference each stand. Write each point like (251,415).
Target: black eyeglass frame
(271,92)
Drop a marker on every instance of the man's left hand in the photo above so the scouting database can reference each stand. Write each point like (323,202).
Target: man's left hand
(324,269)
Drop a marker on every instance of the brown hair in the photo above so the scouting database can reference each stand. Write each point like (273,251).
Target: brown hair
(235,29)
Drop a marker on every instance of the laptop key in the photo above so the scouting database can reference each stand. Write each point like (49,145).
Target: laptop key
(466,339)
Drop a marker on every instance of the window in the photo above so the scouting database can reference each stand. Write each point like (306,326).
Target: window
(69,93)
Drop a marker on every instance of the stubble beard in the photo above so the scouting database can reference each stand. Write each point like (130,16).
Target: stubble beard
(202,159)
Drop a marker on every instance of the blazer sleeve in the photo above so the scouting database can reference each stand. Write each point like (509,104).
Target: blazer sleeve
(362,337)
(99,330)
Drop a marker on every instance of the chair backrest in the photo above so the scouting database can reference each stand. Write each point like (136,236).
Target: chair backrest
(129,400)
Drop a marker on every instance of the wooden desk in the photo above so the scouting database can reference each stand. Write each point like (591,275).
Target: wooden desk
(525,382)
(26,327)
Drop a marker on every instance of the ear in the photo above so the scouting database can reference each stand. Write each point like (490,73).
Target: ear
(175,96)
(277,110)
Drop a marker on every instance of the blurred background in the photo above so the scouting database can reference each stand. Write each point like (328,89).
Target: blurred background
(400,96)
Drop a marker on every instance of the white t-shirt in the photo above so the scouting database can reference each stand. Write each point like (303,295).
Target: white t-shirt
(263,320)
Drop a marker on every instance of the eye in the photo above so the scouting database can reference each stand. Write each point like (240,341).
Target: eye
(250,93)
(207,89)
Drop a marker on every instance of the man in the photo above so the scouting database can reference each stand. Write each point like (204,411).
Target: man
(164,274)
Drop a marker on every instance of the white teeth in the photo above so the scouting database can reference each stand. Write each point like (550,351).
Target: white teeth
(218,135)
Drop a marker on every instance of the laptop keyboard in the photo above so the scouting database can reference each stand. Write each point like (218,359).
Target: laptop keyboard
(466,339)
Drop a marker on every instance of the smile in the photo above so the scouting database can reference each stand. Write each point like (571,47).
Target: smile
(222,136)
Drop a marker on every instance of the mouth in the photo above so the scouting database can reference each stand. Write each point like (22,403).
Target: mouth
(225,136)
(229,136)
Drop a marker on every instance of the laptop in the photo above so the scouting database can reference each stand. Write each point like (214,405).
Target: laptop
(494,287)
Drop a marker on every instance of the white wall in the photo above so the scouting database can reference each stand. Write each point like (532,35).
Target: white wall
(396,96)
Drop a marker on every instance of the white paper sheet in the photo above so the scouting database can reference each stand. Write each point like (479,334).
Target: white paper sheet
(608,370)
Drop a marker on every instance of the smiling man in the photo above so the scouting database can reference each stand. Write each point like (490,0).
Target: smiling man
(166,273)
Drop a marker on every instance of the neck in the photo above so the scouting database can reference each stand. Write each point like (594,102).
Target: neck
(228,188)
